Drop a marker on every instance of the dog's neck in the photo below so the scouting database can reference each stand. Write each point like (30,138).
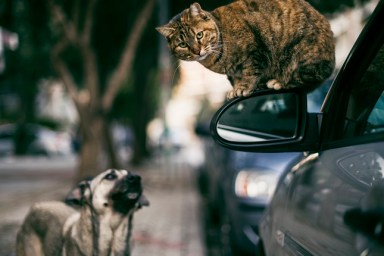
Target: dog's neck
(105,231)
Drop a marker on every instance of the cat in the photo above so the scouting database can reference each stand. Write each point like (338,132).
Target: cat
(258,44)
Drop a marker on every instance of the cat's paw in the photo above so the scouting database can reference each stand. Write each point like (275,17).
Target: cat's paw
(274,84)
(242,92)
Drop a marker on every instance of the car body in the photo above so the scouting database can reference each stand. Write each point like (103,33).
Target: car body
(237,186)
(232,206)
(331,201)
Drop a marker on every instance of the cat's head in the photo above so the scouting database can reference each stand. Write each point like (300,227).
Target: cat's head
(192,34)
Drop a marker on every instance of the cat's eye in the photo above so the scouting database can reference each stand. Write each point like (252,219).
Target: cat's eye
(182,45)
(199,35)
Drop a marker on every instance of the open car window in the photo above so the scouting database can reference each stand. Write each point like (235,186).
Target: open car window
(365,114)
(375,122)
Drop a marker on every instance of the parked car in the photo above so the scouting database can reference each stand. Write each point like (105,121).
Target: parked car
(331,201)
(237,186)
(35,139)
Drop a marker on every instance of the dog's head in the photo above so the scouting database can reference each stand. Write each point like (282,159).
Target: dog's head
(119,190)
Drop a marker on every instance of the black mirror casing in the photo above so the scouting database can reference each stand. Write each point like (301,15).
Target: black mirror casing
(304,139)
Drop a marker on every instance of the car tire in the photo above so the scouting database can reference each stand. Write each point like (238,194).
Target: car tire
(227,240)
(225,237)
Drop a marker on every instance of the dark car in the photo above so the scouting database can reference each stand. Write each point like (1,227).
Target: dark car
(237,186)
(33,139)
(331,201)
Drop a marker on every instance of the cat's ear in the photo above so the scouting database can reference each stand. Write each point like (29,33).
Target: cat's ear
(166,30)
(196,11)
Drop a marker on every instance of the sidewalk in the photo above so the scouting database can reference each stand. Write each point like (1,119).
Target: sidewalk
(170,226)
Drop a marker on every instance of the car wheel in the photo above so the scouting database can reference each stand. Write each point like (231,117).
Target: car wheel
(227,241)
(225,237)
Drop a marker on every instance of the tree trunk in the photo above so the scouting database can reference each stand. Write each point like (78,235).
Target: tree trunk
(91,155)
(110,146)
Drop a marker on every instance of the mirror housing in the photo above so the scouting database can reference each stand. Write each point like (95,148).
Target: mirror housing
(202,129)
(267,121)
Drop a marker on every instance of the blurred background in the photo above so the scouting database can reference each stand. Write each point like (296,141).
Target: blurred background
(95,79)
(89,85)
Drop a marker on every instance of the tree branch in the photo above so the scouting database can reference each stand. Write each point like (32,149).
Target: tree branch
(88,23)
(91,75)
(90,60)
(68,27)
(76,13)
(63,70)
(125,64)
(82,41)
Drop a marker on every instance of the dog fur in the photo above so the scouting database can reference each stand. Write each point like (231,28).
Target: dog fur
(101,226)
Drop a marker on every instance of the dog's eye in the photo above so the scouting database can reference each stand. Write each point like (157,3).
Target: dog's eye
(110,176)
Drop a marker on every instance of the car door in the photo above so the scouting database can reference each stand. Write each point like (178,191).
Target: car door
(335,198)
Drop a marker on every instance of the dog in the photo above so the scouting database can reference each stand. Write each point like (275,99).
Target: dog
(101,226)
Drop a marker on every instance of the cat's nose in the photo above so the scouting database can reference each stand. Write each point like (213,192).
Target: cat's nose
(196,51)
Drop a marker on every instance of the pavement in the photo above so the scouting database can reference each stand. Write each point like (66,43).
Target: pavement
(170,226)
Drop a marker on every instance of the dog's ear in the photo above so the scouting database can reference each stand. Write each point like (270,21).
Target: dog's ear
(143,201)
(77,196)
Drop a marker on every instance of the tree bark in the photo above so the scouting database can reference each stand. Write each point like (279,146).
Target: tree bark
(91,157)
(111,149)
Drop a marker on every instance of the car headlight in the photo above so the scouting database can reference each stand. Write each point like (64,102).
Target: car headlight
(256,184)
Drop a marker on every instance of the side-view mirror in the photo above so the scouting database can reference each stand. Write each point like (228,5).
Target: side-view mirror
(266,121)
(202,129)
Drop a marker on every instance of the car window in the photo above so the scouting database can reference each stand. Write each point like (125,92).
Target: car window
(376,117)
(365,113)
(316,98)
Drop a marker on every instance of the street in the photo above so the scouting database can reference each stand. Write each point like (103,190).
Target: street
(169,226)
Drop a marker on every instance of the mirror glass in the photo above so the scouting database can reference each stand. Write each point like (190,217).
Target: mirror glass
(260,118)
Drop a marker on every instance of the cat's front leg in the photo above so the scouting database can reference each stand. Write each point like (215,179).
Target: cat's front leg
(242,87)
(274,84)
(239,91)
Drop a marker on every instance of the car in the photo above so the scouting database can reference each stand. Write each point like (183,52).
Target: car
(237,186)
(331,200)
(34,140)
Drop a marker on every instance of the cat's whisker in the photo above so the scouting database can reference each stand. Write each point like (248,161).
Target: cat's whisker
(209,48)
(174,73)
(216,47)
(217,53)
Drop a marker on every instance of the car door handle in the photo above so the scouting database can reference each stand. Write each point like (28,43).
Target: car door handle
(368,222)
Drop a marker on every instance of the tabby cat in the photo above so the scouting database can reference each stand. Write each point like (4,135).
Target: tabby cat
(257,44)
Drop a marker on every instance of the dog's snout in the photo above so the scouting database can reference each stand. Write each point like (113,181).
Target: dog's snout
(132,178)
